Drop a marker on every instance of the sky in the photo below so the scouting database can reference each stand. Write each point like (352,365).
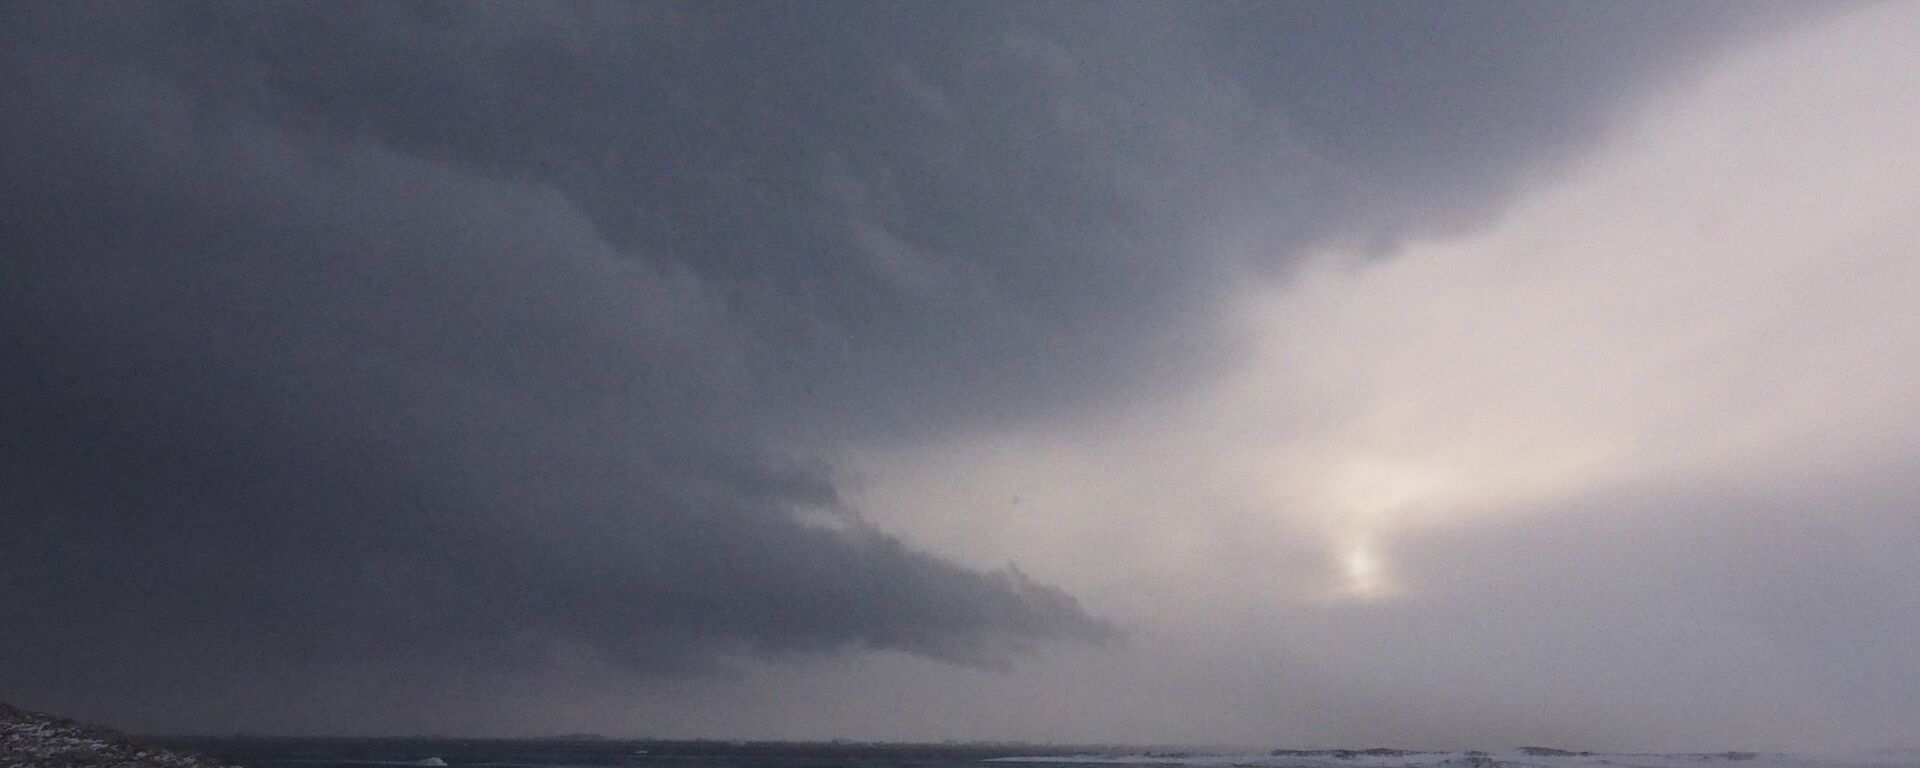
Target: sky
(1441,375)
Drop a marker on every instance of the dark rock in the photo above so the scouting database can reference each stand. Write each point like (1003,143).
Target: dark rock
(45,741)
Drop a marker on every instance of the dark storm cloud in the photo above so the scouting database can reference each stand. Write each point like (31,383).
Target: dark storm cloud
(280,391)
(440,336)
(934,216)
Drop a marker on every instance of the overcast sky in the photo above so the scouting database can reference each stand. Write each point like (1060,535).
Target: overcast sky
(1342,374)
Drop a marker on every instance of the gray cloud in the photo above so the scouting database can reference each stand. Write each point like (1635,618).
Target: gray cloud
(354,346)
(1626,469)
(290,396)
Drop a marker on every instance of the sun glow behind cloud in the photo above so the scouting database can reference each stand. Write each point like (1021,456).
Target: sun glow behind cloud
(1723,293)
(1727,291)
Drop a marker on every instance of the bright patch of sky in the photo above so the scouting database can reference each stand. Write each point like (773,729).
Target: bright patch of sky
(1711,317)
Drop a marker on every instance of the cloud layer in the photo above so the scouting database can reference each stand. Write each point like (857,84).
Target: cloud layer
(444,366)
(1626,468)
(286,402)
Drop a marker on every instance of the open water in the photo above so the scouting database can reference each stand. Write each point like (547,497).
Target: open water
(287,752)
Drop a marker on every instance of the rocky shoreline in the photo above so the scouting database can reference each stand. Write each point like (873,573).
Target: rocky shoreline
(45,741)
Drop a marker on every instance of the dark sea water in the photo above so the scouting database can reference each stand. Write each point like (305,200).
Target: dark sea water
(285,752)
